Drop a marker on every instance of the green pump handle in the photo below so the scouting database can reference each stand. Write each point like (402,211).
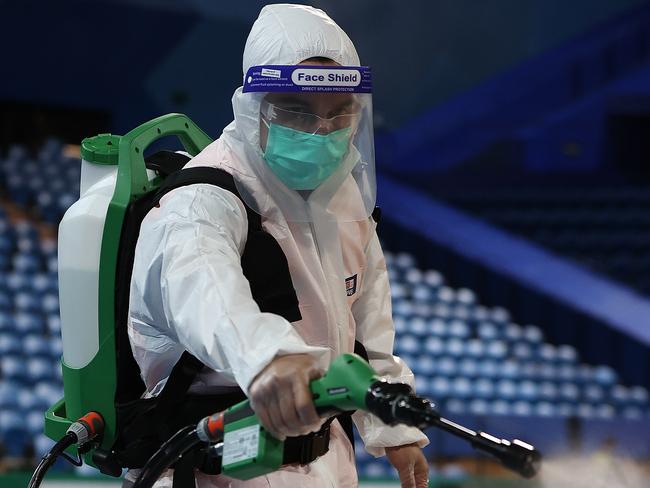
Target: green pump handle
(131,164)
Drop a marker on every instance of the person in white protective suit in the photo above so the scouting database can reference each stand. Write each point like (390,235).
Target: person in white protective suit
(304,161)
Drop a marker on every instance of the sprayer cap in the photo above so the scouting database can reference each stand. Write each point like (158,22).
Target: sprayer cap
(101,149)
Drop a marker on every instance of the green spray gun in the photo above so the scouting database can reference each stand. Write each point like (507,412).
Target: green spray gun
(248,450)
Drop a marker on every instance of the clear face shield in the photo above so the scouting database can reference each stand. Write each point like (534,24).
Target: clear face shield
(315,149)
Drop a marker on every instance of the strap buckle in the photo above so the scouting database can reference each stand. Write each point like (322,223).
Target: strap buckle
(314,445)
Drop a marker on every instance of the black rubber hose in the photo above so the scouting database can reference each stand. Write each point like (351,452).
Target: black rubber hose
(181,442)
(48,460)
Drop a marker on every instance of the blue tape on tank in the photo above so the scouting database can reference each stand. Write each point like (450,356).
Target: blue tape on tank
(304,78)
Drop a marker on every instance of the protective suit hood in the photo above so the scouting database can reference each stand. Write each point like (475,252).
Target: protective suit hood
(286,35)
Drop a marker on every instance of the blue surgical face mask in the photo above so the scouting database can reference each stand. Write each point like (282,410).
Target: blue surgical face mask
(302,161)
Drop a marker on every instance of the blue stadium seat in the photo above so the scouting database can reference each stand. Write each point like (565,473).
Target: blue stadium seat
(407,344)
(547,352)
(593,393)
(36,346)
(13,433)
(421,293)
(53,324)
(48,392)
(466,296)
(8,397)
(569,391)
(50,303)
(434,346)
(17,282)
(56,347)
(462,312)
(422,385)
(418,327)
(447,366)
(461,387)
(585,410)
(48,247)
(29,323)
(488,368)
(605,411)
(605,376)
(475,348)
(404,261)
(446,295)
(469,367)
(441,310)
(522,408)
(639,395)
(438,327)
(17,186)
(5,263)
(26,302)
(6,304)
(533,334)
(13,368)
(41,283)
(28,400)
(458,328)
(39,369)
(52,264)
(513,332)
(399,323)
(412,276)
(10,344)
(506,389)
(440,387)
(26,230)
(479,406)
(480,313)
(424,365)
(522,351)
(484,388)
(496,349)
(509,369)
(567,354)
(433,278)
(528,390)
(567,372)
(34,422)
(548,390)
(487,331)
(500,407)
(499,315)
(455,406)
(455,347)
(7,243)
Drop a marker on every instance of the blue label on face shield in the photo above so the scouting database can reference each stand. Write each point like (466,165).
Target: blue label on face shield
(306,78)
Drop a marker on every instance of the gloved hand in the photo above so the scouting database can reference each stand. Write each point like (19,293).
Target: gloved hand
(281,398)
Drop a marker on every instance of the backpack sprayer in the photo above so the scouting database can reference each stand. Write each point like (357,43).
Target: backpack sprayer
(246,450)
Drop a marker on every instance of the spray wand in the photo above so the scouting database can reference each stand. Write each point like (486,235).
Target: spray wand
(248,450)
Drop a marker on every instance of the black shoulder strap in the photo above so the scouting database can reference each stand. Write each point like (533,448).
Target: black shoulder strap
(211,176)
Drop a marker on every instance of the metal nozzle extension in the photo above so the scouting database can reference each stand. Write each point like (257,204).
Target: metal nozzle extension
(515,455)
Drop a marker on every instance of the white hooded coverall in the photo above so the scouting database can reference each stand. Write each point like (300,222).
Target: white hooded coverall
(188,291)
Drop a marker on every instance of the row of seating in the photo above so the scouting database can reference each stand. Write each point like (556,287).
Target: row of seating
(48,183)
(606,229)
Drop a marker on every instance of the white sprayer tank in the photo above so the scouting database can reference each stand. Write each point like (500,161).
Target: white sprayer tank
(80,237)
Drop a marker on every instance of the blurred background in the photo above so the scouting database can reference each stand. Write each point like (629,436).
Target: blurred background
(513,150)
